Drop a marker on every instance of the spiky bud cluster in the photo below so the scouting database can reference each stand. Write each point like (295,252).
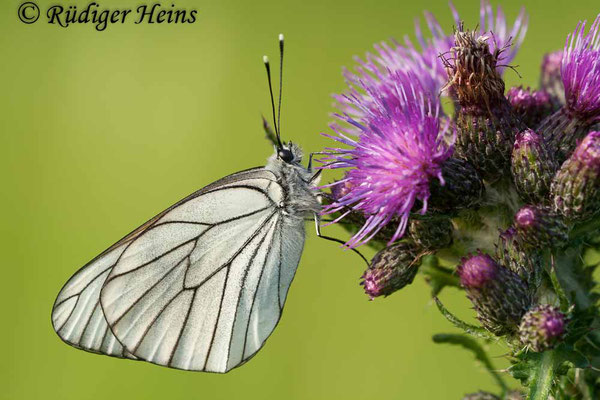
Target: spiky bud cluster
(542,327)
(462,188)
(499,295)
(432,181)
(431,233)
(522,260)
(539,227)
(532,106)
(485,120)
(532,166)
(576,186)
(391,269)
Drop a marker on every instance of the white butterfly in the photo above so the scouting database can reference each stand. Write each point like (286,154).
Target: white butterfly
(202,285)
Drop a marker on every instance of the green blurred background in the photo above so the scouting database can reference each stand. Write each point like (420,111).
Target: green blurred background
(101,130)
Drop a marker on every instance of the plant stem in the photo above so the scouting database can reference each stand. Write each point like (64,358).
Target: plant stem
(543,379)
(438,276)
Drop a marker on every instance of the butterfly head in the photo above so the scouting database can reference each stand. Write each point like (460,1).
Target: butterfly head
(290,153)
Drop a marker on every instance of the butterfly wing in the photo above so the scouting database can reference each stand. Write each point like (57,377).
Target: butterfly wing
(199,287)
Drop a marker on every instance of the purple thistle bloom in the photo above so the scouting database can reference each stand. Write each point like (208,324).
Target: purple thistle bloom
(400,148)
(580,71)
(376,69)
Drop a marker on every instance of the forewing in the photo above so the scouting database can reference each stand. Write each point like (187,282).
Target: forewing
(203,288)
(77,315)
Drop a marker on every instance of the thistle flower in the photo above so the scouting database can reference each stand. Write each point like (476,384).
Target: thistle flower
(498,295)
(532,106)
(424,62)
(485,121)
(391,269)
(542,327)
(539,227)
(532,166)
(399,151)
(431,233)
(576,187)
(580,71)
(524,261)
(550,79)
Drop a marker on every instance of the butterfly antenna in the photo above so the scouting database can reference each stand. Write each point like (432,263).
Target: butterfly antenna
(268,68)
(280,80)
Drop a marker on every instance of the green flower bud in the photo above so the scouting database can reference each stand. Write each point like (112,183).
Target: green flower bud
(524,261)
(391,269)
(576,187)
(533,167)
(499,295)
(542,328)
(538,227)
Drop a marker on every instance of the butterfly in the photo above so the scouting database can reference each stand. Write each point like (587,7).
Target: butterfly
(202,285)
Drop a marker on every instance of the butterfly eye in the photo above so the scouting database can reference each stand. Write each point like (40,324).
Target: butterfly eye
(286,155)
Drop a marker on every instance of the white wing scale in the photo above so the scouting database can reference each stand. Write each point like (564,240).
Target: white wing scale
(199,287)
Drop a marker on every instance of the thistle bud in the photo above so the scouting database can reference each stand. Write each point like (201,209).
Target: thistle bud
(523,261)
(532,106)
(481,395)
(539,227)
(550,80)
(532,166)
(542,328)
(498,295)
(463,187)
(485,120)
(431,233)
(391,269)
(575,189)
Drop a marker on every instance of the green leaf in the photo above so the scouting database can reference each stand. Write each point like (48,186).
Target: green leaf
(540,371)
(562,296)
(468,328)
(472,345)
(537,372)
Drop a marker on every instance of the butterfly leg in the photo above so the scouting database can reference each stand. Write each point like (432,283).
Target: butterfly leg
(318,230)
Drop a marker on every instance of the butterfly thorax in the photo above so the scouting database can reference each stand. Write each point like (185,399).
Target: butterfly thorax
(301,197)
